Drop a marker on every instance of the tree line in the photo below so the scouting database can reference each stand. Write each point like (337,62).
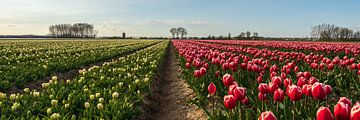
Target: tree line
(178,31)
(77,30)
(327,32)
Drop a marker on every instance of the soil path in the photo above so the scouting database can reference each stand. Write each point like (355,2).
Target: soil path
(170,94)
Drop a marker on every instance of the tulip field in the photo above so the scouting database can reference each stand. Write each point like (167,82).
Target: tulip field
(269,80)
(113,90)
(228,79)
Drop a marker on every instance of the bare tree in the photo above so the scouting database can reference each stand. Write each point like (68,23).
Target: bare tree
(78,30)
(173,31)
(248,34)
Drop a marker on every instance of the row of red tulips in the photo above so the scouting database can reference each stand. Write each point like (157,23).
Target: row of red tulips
(204,63)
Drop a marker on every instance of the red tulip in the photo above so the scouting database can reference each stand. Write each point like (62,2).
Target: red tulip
(272,87)
(306,89)
(239,93)
(229,101)
(227,80)
(276,80)
(342,111)
(263,88)
(217,73)
(202,71)
(187,65)
(197,73)
(307,75)
(268,115)
(294,93)
(287,82)
(296,69)
(312,80)
(345,100)
(211,89)
(245,101)
(328,89)
(262,96)
(318,91)
(279,95)
(355,112)
(259,79)
(324,113)
(301,81)
(330,66)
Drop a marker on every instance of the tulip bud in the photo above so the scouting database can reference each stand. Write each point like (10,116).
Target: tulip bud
(48,111)
(341,111)
(87,105)
(318,91)
(294,93)
(100,106)
(115,95)
(211,89)
(355,112)
(324,113)
(239,93)
(197,73)
(279,95)
(245,101)
(268,115)
(54,102)
(97,95)
(229,101)
(263,88)
(328,89)
(262,97)
(227,80)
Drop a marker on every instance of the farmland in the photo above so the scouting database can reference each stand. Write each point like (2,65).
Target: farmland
(179,79)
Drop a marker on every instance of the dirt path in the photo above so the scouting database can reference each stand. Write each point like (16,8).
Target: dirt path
(170,93)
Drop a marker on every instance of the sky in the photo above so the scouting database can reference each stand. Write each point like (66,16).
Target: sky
(271,18)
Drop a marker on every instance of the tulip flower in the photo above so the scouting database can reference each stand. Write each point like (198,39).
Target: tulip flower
(211,89)
(355,112)
(268,115)
(245,101)
(294,93)
(263,88)
(227,80)
(229,101)
(239,93)
(341,111)
(318,91)
(187,65)
(287,82)
(262,96)
(202,71)
(197,73)
(279,95)
(217,73)
(328,89)
(324,113)
(345,100)
(306,89)
(272,87)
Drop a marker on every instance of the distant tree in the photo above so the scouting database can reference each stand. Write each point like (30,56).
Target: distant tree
(255,34)
(248,34)
(183,32)
(173,31)
(78,30)
(242,34)
(332,32)
(229,36)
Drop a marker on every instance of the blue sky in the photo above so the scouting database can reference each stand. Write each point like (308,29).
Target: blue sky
(277,18)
